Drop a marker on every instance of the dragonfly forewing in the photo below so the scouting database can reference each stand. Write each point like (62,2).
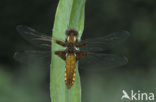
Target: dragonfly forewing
(36,38)
(103,43)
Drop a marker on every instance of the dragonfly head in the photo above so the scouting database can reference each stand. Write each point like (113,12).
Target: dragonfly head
(71,35)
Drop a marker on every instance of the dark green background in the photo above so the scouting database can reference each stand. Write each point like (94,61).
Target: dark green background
(30,82)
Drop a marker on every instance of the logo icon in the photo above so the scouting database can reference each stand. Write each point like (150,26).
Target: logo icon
(125,95)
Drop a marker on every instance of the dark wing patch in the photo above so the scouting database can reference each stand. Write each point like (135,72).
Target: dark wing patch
(98,62)
(34,37)
(105,42)
(61,54)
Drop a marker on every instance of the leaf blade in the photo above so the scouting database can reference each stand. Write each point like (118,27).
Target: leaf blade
(69,14)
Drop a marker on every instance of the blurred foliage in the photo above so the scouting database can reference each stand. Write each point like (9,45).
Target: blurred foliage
(19,83)
(27,85)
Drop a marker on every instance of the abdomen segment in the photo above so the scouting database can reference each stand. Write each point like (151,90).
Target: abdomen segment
(70,70)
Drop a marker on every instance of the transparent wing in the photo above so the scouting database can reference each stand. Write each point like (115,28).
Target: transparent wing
(30,55)
(98,62)
(95,62)
(105,42)
(34,37)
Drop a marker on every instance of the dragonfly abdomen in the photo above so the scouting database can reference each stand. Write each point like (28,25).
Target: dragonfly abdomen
(70,70)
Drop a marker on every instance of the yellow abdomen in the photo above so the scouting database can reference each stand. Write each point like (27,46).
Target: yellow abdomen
(70,70)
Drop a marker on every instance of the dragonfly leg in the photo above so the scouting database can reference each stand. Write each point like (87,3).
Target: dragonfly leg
(60,43)
(61,54)
(80,55)
(83,43)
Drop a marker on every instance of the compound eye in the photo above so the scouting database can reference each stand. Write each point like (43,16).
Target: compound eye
(74,39)
(68,39)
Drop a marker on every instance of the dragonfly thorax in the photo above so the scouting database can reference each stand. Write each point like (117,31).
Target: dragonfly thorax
(70,47)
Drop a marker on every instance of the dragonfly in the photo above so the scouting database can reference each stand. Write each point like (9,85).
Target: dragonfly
(71,54)
(89,52)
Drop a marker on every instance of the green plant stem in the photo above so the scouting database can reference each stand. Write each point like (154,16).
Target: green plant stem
(69,14)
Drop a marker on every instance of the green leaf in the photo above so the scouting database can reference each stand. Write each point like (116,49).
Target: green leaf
(69,14)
